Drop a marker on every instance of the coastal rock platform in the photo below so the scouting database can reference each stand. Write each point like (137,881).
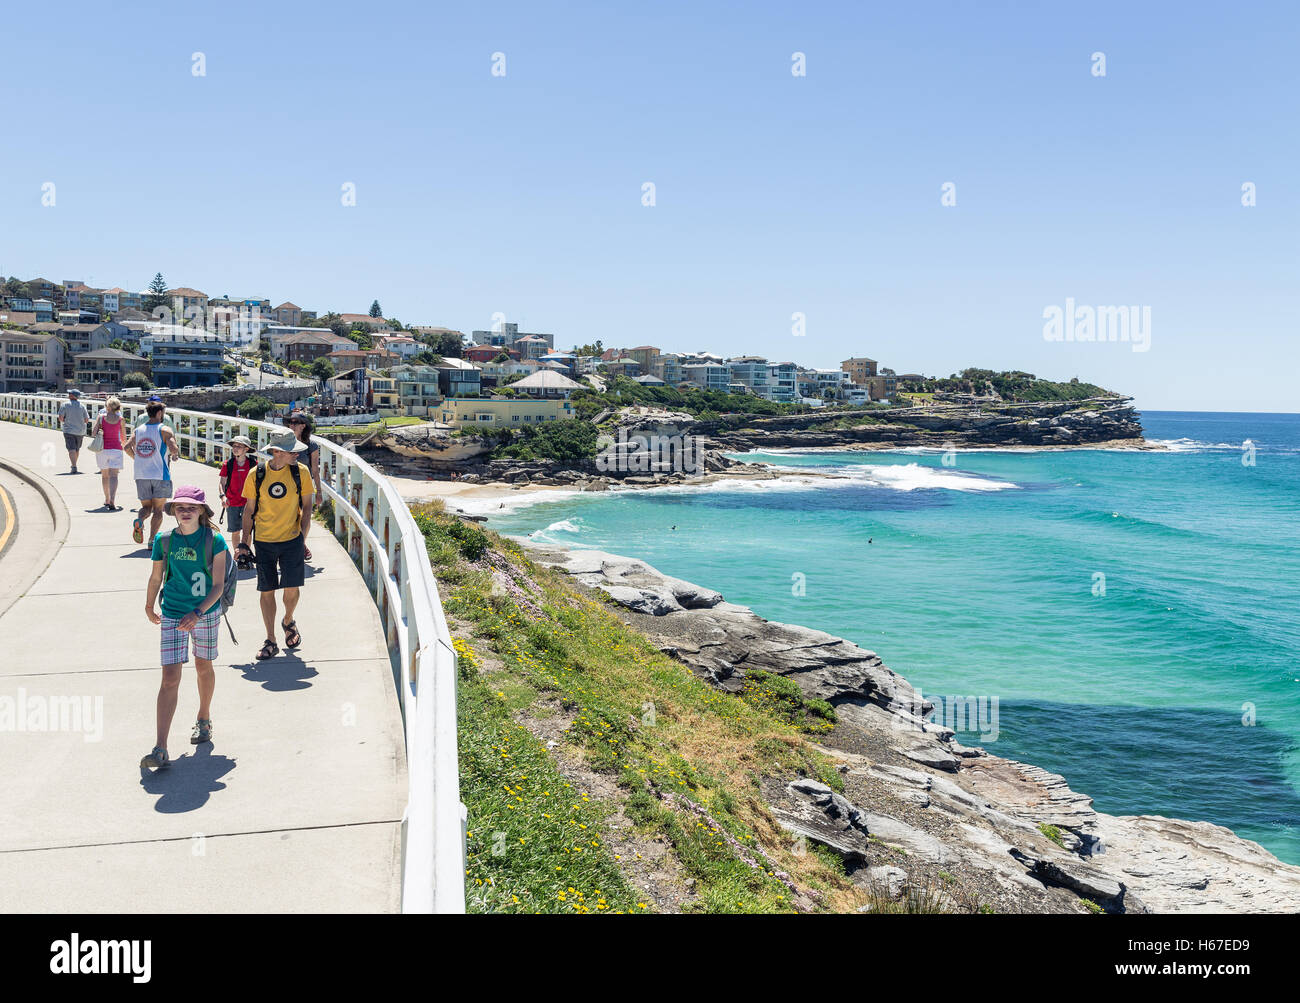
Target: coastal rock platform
(985,831)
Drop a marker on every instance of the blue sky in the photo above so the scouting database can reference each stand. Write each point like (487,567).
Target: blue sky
(775,194)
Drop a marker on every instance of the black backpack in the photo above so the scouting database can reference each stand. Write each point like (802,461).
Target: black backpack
(294,470)
(228,589)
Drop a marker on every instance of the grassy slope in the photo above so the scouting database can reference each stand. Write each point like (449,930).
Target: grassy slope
(678,759)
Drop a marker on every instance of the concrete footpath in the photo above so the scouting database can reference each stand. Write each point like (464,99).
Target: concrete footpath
(294,807)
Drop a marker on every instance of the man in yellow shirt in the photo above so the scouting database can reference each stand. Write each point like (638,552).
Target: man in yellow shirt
(277,511)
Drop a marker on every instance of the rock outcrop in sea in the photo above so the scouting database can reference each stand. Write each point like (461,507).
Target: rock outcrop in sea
(1015,832)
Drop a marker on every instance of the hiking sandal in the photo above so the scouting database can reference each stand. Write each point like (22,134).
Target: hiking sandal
(137,531)
(292,636)
(202,731)
(157,759)
(269,650)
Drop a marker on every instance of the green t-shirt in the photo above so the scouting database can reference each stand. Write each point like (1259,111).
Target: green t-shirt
(188,581)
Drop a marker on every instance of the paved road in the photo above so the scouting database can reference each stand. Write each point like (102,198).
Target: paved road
(296,806)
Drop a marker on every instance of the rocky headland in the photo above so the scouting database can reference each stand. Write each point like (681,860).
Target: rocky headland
(420,451)
(919,807)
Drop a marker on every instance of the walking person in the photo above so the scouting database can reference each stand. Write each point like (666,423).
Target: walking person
(277,516)
(110,459)
(191,587)
(303,426)
(73,418)
(232,474)
(152,447)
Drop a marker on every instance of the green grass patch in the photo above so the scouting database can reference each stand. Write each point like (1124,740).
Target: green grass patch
(684,755)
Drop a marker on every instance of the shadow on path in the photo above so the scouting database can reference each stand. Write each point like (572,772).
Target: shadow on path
(187,784)
(280,674)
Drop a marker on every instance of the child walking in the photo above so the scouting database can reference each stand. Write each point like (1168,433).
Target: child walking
(233,472)
(191,607)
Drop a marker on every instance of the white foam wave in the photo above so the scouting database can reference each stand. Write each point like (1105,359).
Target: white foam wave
(911,476)
(1186,445)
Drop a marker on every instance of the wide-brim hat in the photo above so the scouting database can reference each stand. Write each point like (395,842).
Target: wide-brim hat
(188,493)
(287,443)
(240,440)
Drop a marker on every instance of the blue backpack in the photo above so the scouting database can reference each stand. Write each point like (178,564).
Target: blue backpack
(232,579)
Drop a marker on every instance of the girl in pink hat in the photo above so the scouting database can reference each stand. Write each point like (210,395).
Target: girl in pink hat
(191,582)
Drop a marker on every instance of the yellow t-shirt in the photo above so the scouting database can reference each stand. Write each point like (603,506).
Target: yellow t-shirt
(278,516)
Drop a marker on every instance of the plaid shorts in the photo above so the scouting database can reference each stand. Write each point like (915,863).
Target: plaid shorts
(176,643)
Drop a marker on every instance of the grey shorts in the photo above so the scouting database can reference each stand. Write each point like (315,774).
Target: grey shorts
(72,443)
(234,518)
(152,487)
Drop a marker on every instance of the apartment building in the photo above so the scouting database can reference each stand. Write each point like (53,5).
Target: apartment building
(104,370)
(79,339)
(30,362)
(782,382)
(752,372)
(508,335)
(494,374)
(288,314)
(707,375)
(458,378)
(481,354)
(668,367)
(185,300)
(418,390)
(377,325)
(502,412)
(304,348)
(188,360)
(859,369)
(359,358)
(118,299)
(399,344)
(384,395)
(644,355)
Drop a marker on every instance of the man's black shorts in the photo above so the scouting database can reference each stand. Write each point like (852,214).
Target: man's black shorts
(279,565)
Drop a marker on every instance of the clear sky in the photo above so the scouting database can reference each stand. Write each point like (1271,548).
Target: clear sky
(522,194)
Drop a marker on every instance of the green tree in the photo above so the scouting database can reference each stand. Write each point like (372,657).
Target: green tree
(449,345)
(157,295)
(255,407)
(376,310)
(138,380)
(229,374)
(322,369)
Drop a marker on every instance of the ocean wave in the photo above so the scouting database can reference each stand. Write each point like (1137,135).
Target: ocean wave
(494,506)
(1185,445)
(894,476)
(913,476)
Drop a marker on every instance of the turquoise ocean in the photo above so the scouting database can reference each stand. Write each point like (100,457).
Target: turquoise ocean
(1136,614)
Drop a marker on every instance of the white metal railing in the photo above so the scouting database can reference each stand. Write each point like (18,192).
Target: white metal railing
(374,523)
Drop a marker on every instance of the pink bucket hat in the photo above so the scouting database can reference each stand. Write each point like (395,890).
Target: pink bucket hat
(188,493)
